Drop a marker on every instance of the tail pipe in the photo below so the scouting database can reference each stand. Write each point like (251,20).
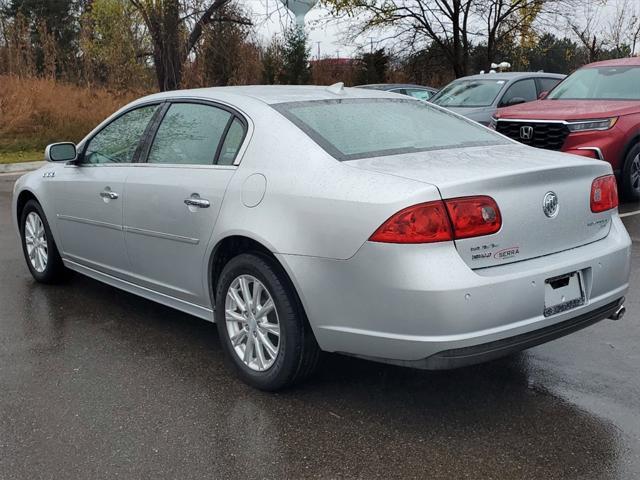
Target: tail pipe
(620,311)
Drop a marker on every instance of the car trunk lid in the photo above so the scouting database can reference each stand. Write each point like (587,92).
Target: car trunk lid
(518,178)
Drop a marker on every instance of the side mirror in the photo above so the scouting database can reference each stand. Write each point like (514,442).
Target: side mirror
(543,95)
(60,152)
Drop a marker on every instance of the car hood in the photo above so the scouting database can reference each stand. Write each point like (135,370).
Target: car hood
(569,109)
(469,111)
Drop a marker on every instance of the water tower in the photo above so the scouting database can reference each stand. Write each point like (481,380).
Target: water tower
(299,8)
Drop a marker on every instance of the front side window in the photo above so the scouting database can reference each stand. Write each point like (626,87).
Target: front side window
(189,134)
(119,140)
(469,93)
(361,128)
(419,93)
(520,92)
(604,83)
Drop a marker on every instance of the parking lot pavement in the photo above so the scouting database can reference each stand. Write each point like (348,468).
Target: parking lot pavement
(96,383)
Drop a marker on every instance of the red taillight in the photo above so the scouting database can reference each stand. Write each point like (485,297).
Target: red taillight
(441,221)
(423,223)
(604,194)
(474,216)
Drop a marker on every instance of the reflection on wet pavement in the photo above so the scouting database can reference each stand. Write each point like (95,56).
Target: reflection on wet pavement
(96,383)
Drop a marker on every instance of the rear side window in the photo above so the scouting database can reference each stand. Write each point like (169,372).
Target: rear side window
(522,90)
(189,134)
(232,142)
(360,128)
(419,93)
(548,84)
(118,141)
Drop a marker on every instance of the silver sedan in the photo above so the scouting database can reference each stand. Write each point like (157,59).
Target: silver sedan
(309,219)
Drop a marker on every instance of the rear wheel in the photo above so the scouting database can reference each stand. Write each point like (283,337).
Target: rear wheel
(631,174)
(263,330)
(39,248)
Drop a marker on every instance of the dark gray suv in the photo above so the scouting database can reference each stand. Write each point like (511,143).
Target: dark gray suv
(479,96)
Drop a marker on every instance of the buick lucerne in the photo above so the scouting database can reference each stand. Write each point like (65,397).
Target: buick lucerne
(309,219)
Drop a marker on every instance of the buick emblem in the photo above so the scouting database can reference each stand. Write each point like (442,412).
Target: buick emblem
(526,132)
(550,204)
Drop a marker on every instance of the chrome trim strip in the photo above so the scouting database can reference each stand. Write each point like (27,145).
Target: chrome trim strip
(563,122)
(151,165)
(524,120)
(593,149)
(166,236)
(88,221)
(173,302)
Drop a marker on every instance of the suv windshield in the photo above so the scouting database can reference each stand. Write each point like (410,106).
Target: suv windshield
(606,83)
(469,93)
(360,128)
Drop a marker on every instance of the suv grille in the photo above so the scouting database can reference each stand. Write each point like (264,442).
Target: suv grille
(550,136)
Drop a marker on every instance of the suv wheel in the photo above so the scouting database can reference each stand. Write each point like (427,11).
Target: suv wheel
(38,246)
(631,174)
(263,330)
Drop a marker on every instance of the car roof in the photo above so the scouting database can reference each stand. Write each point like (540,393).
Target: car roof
(271,94)
(618,62)
(512,76)
(391,86)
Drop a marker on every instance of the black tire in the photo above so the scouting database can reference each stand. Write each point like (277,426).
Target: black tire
(298,352)
(630,172)
(54,271)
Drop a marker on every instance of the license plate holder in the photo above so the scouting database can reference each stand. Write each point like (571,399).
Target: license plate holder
(563,293)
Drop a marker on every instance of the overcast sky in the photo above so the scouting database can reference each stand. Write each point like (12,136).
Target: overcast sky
(271,18)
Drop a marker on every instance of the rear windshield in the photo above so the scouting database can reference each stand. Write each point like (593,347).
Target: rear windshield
(360,128)
(606,83)
(469,93)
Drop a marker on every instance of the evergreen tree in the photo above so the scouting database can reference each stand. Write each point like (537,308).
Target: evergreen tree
(295,54)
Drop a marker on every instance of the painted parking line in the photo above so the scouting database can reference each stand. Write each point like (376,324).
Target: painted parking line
(630,214)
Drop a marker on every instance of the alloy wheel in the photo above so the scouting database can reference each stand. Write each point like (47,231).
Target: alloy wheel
(35,238)
(252,323)
(635,173)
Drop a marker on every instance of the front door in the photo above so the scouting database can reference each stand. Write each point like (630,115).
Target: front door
(89,195)
(173,199)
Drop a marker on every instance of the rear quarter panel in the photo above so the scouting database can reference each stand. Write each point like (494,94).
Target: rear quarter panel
(313,204)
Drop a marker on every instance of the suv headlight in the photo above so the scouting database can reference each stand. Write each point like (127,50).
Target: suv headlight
(589,125)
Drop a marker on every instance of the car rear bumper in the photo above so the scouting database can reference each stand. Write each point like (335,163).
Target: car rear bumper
(421,305)
(461,357)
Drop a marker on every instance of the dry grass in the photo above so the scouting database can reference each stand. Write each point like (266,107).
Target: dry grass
(35,112)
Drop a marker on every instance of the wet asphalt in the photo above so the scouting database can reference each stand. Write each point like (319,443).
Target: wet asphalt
(96,383)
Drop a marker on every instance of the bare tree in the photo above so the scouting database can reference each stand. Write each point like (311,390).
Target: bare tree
(624,28)
(449,25)
(588,29)
(175,27)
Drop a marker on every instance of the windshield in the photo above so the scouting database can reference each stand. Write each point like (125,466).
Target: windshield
(469,93)
(360,128)
(606,83)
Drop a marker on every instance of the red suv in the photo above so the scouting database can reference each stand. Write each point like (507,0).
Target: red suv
(595,112)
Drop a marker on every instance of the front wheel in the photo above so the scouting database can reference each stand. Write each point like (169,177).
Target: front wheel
(631,175)
(263,330)
(38,246)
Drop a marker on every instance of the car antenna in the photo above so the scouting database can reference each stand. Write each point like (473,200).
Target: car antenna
(337,88)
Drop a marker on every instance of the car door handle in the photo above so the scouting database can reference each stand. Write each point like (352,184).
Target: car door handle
(197,202)
(109,194)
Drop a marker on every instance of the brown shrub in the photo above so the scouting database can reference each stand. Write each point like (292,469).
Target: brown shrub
(35,112)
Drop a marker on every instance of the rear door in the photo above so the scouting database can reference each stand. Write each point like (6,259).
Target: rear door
(89,195)
(174,197)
